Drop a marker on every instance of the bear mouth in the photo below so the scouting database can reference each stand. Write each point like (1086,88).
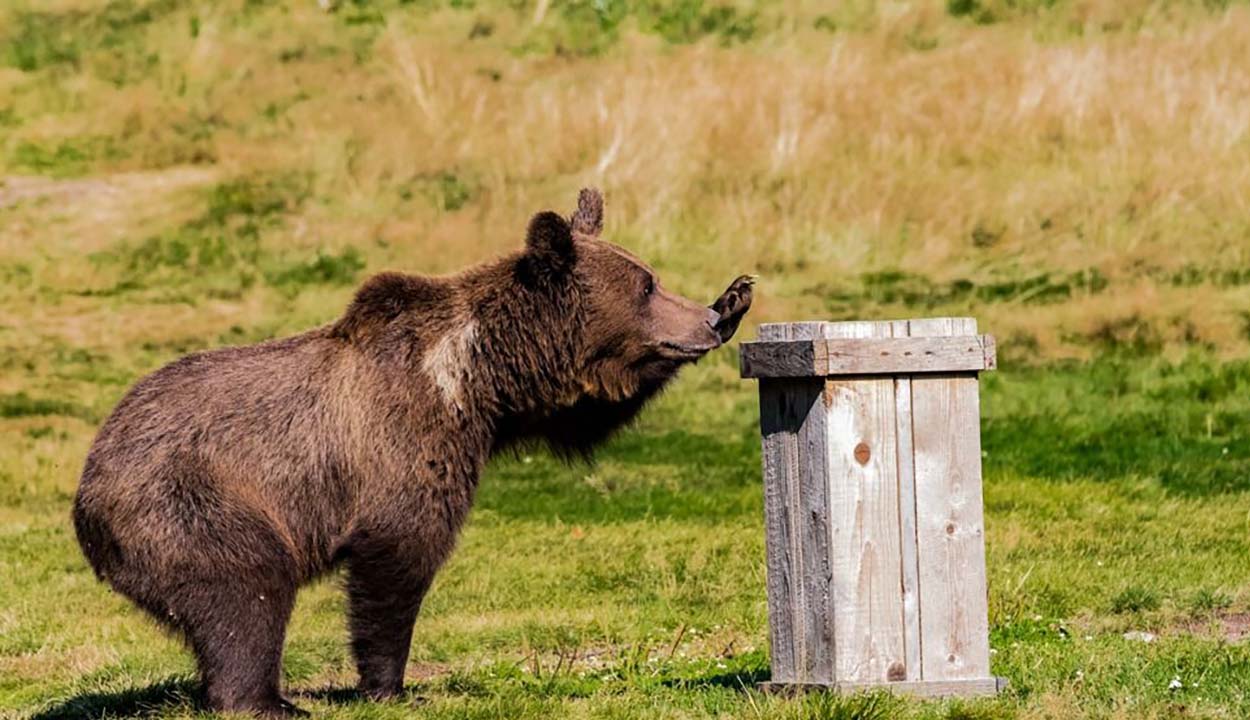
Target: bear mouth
(677,351)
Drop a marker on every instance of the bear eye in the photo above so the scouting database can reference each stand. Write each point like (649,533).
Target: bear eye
(648,286)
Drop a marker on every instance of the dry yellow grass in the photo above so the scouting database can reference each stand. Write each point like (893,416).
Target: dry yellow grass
(998,153)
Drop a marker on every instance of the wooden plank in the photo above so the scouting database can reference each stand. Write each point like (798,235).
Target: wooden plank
(976,687)
(777,359)
(795,503)
(778,429)
(812,516)
(864,502)
(949,520)
(867,356)
(909,564)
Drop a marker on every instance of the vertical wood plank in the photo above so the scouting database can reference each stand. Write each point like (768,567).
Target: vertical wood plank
(910,569)
(949,519)
(781,560)
(864,509)
(779,445)
(812,516)
(796,520)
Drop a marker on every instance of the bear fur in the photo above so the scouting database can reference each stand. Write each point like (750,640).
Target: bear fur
(225,480)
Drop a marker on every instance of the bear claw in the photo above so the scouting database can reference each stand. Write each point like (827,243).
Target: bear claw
(732,306)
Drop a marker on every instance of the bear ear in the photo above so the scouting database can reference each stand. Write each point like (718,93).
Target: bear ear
(550,239)
(588,220)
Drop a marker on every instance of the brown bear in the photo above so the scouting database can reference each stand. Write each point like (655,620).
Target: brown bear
(227,479)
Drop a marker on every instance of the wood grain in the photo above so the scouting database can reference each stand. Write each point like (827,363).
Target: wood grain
(949,521)
(872,497)
(796,520)
(867,605)
(909,564)
(867,356)
(813,510)
(779,429)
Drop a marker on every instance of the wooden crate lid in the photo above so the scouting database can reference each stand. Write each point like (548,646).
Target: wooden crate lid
(818,349)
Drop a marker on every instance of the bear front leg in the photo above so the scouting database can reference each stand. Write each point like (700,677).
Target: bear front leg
(385,597)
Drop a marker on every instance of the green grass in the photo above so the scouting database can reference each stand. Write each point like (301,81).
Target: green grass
(635,588)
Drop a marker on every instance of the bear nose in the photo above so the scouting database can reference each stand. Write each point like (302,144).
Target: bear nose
(710,321)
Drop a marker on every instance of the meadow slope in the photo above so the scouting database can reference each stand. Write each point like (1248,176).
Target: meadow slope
(177,175)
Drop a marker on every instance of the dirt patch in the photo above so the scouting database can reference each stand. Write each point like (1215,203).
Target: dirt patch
(74,216)
(17,188)
(425,671)
(1233,627)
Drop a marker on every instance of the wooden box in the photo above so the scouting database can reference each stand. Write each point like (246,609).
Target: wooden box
(872,494)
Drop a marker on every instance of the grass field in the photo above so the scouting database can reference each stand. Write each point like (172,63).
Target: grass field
(177,175)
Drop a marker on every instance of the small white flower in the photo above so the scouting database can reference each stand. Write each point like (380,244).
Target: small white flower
(1176,684)
(1089,637)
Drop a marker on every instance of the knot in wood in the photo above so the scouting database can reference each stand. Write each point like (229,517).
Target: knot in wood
(862,453)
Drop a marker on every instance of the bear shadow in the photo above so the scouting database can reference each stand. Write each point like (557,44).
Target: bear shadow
(151,701)
(336,695)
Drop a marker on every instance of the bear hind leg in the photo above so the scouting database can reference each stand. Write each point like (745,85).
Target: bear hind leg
(237,632)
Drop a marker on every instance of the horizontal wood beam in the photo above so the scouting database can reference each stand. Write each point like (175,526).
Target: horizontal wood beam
(867,356)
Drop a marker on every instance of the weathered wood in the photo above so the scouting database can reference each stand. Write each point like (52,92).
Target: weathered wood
(863,494)
(814,508)
(778,359)
(949,521)
(910,569)
(796,516)
(777,431)
(876,566)
(779,428)
(977,687)
(867,356)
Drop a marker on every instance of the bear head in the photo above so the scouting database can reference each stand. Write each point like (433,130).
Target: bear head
(627,334)
(633,334)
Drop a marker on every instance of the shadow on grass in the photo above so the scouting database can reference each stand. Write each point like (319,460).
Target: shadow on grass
(184,694)
(335,695)
(151,701)
(734,680)
(332,694)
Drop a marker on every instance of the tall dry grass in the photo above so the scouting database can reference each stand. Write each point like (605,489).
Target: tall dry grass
(911,142)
